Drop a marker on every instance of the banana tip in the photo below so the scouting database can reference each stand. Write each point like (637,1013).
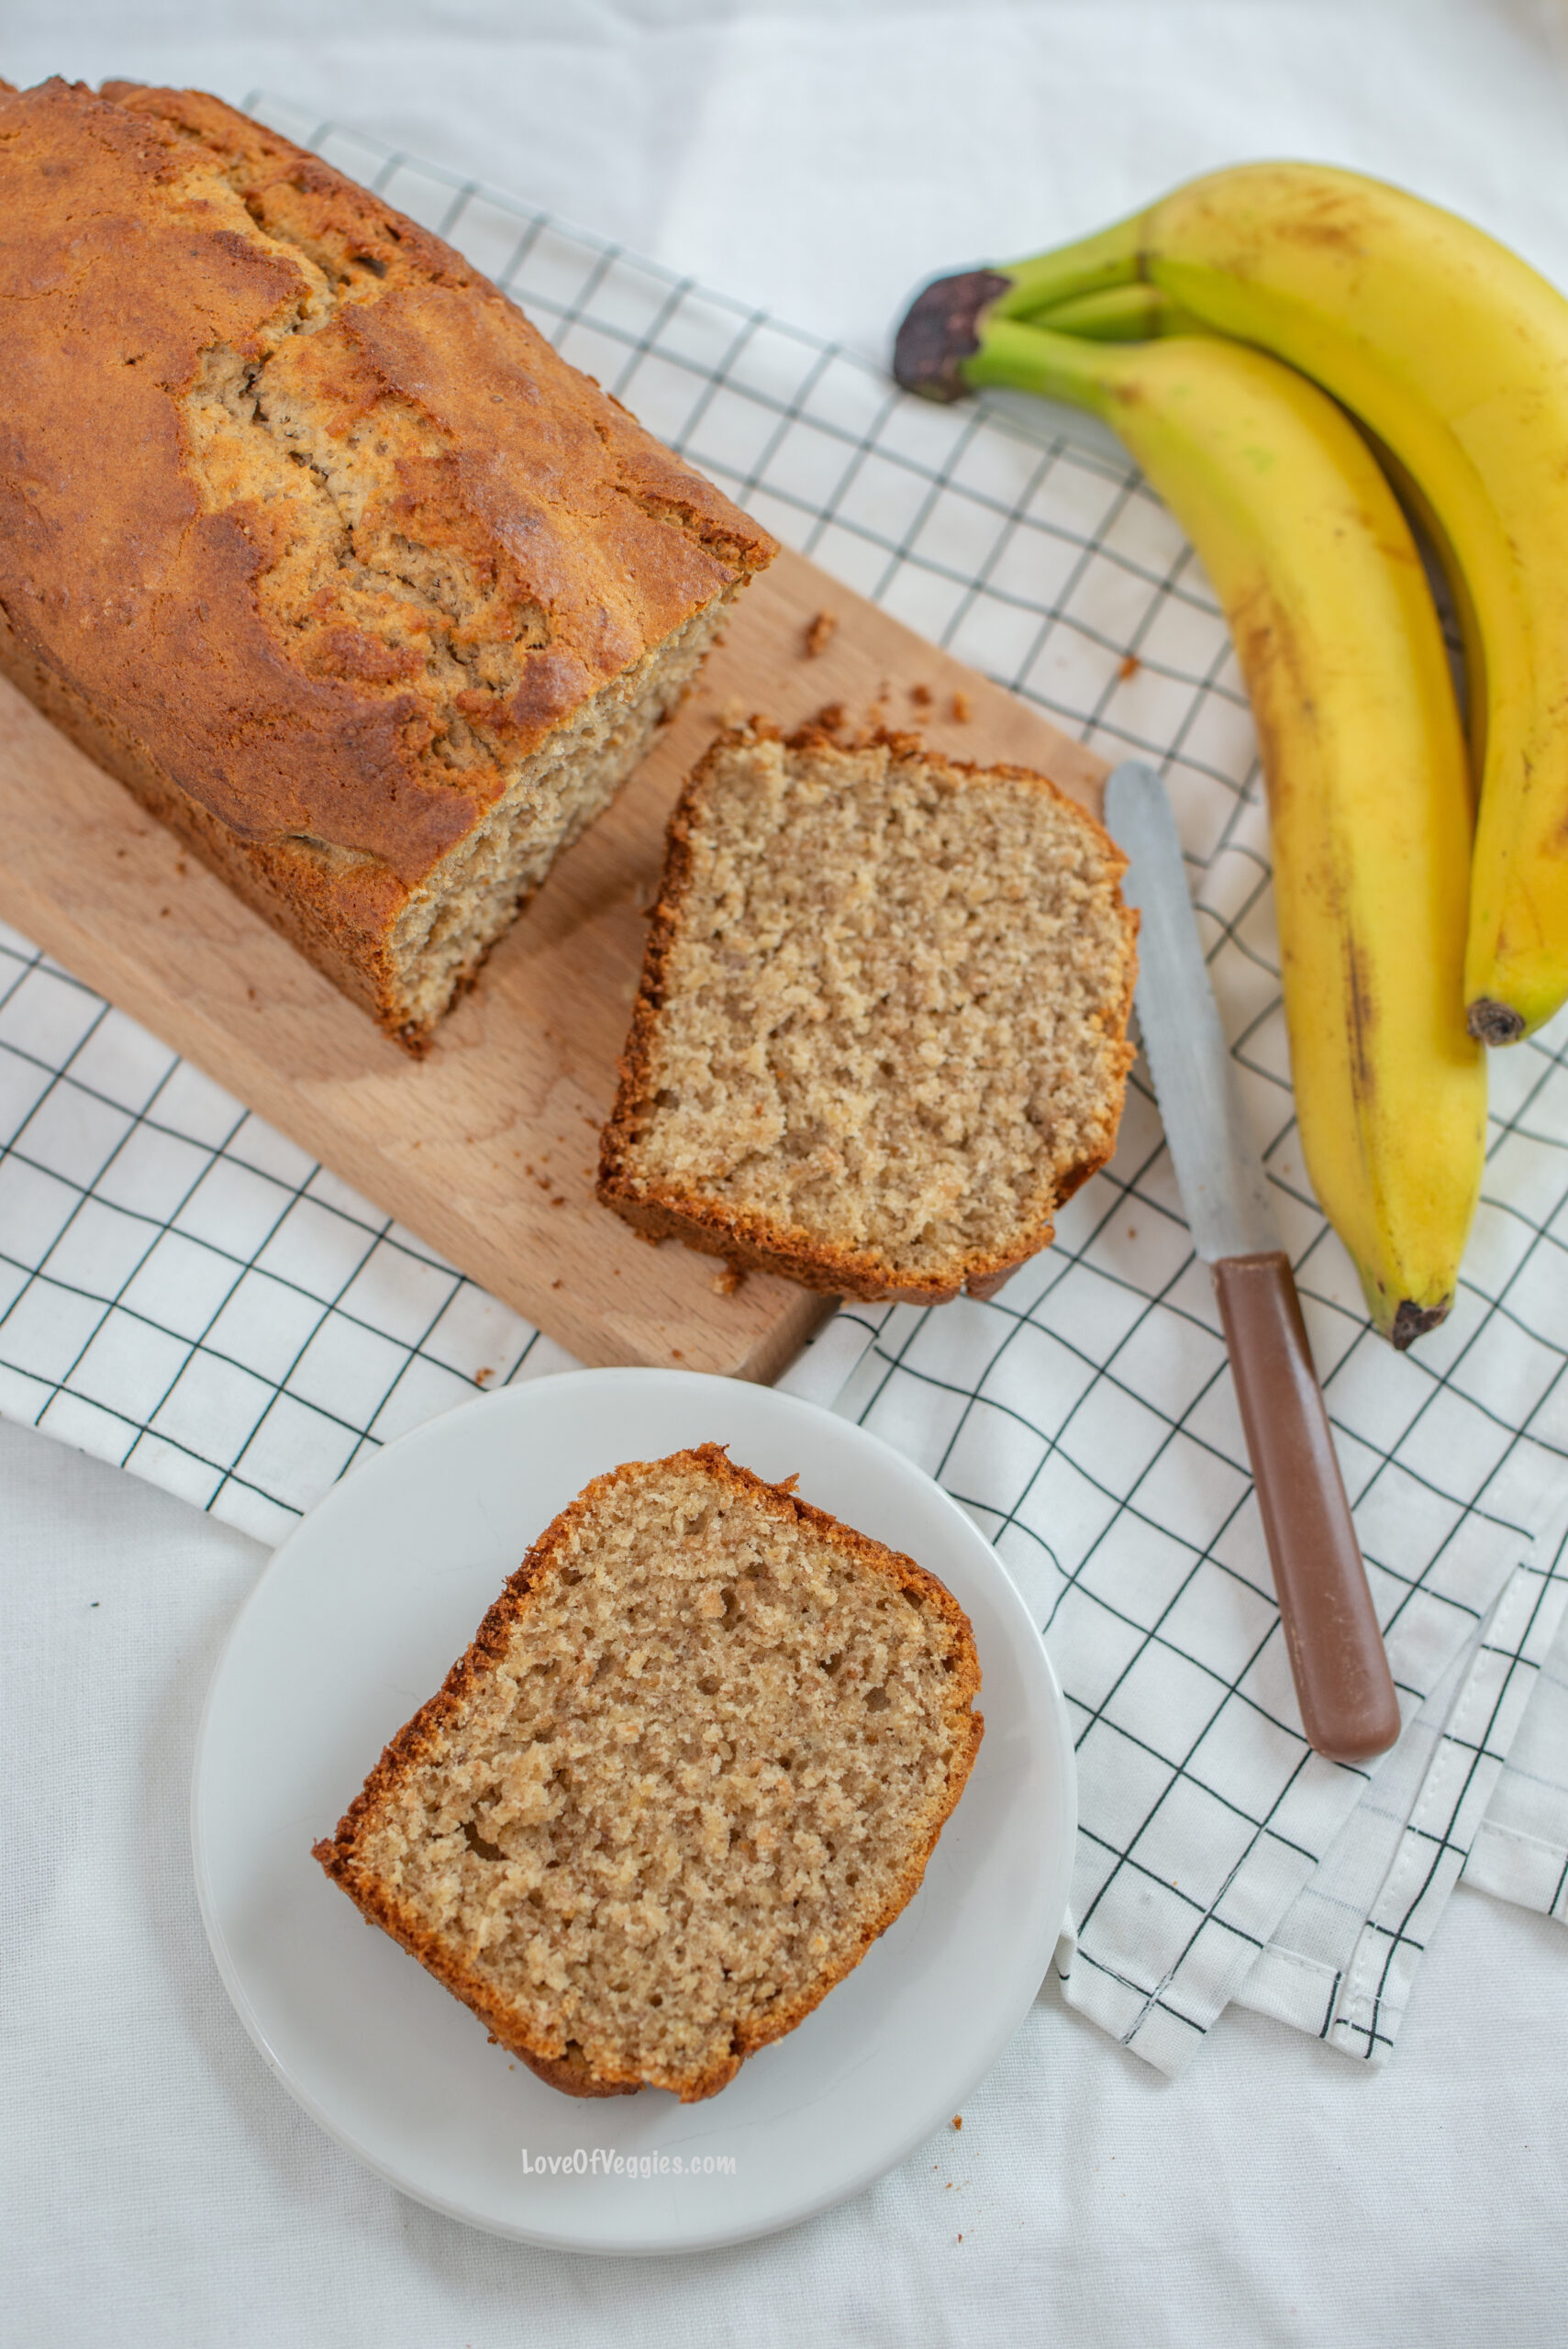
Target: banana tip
(1491,1022)
(941,326)
(1412,1321)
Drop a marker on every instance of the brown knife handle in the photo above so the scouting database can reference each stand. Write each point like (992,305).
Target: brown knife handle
(1349,1708)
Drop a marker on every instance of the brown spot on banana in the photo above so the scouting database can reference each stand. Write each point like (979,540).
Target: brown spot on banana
(1363,1007)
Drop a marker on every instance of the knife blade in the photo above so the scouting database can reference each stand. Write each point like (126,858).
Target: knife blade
(1349,1707)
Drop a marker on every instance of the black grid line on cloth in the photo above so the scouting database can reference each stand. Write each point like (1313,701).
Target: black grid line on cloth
(1101,1372)
(1445,1844)
(1046,562)
(136,1121)
(893,1359)
(371,1233)
(1031,1317)
(1511,1852)
(1124,1851)
(1346,1954)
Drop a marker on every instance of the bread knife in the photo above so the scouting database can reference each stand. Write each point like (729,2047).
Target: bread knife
(1348,1708)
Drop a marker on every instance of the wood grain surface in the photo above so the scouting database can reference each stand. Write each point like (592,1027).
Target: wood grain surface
(487,1148)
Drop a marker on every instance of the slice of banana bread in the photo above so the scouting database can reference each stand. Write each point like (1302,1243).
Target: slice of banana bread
(881,1032)
(695,1761)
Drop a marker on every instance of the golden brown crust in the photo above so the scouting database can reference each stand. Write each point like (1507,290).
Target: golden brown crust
(339,914)
(565,2064)
(149,229)
(573,2075)
(754,1242)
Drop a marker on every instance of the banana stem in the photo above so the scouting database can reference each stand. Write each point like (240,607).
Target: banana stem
(1141,313)
(950,321)
(1109,258)
(1057,366)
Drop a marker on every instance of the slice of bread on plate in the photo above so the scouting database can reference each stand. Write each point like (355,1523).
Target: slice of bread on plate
(693,1764)
(882,1032)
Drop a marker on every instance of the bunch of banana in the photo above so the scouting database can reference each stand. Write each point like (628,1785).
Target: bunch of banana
(1454,354)
(1343,661)
(1339,641)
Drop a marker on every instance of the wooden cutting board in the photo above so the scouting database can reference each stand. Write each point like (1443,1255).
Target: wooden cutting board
(487,1148)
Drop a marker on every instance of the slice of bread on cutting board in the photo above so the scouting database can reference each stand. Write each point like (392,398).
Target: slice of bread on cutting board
(881,1030)
(693,1764)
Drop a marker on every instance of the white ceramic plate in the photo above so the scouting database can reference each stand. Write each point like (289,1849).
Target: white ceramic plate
(356,1621)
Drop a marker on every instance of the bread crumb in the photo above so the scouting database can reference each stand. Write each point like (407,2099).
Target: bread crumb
(920,696)
(1128,666)
(732,711)
(958,2120)
(480,1376)
(820,634)
(963,709)
(829,717)
(726,1283)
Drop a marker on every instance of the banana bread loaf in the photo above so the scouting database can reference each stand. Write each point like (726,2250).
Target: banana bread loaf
(309,538)
(881,1032)
(695,1761)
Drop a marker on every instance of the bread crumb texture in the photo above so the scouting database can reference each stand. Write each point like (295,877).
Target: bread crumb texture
(695,1763)
(882,1027)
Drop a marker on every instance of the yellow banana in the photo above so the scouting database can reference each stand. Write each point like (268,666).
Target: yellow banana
(1455,353)
(1369,801)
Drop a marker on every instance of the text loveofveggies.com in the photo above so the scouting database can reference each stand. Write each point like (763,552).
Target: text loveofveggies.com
(600,2162)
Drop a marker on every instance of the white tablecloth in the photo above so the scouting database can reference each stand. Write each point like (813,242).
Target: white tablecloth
(818,161)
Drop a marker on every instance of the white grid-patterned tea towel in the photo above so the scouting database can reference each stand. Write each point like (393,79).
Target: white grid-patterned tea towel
(184,1292)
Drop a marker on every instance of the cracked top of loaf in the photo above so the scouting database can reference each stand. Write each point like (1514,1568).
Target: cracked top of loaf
(297,500)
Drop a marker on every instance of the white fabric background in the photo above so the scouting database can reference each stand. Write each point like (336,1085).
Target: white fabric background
(818,161)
